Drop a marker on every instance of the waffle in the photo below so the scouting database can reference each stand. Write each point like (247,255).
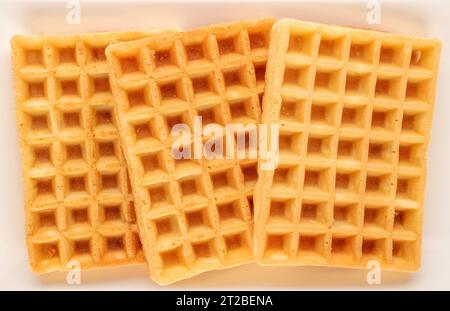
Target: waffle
(193,215)
(78,204)
(354,109)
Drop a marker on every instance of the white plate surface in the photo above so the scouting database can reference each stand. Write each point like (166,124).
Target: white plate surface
(425,18)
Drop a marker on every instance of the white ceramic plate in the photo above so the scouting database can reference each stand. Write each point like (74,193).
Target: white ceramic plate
(425,18)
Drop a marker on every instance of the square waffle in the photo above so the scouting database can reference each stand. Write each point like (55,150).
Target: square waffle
(354,108)
(78,204)
(193,214)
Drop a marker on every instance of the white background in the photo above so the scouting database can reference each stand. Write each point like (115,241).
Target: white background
(425,18)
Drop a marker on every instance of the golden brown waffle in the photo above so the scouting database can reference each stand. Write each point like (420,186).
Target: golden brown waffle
(77,200)
(193,215)
(354,109)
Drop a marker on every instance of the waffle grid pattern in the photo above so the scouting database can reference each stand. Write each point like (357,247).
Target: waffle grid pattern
(193,215)
(78,202)
(354,109)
